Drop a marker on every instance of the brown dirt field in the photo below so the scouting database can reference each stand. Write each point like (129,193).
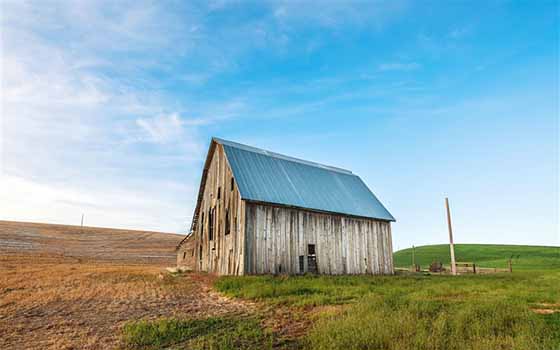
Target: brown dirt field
(62,287)
(88,243)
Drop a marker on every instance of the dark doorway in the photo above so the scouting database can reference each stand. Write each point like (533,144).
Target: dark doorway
(211,224)
(200,257)
(311,259)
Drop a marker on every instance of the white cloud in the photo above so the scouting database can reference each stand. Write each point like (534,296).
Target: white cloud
(67,118)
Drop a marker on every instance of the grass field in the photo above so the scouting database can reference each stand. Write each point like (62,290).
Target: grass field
(64,287)
(416,311)
(517,311)
(484,255)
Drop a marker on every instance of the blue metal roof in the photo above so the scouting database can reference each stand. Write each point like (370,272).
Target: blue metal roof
(264,176)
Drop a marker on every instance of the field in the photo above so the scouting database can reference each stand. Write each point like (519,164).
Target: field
(63,287)
(524,258)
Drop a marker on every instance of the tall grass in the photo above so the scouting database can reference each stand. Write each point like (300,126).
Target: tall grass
(473,312)
(398,322)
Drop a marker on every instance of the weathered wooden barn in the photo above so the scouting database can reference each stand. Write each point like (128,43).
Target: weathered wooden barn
(260,212)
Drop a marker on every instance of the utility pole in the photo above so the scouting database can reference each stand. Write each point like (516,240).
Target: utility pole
(82,224)
(413,259)
(451,248)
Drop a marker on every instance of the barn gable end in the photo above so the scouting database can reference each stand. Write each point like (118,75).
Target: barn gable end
(218,226)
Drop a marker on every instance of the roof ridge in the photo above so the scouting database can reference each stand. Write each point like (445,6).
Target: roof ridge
(280,156)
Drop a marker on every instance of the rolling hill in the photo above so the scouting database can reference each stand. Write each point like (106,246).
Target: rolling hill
(484,255)
(88,243)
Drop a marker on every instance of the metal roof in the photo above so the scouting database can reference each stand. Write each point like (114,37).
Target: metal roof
(264,176)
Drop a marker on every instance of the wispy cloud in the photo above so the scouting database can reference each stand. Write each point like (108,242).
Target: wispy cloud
(460,32)
(335,13)
(162,129)
(399,66)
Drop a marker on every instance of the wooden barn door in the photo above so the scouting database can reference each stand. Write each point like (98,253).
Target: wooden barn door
(311,259)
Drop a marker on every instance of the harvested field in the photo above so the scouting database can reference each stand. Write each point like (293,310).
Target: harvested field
(88,243)
(69,289)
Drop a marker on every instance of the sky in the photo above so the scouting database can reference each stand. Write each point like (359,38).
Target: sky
(108,107)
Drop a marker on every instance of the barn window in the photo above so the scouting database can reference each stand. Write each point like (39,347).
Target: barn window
(219,192)
(227,222)
(211,224)
(231,188)
(311,249)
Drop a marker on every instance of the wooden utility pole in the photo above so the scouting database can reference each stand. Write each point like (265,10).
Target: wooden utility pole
(82,224)
(451,248)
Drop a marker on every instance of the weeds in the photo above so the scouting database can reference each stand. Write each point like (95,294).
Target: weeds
(209,333)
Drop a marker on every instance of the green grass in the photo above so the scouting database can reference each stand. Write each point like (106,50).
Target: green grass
(209,333)
(417,312)
(414,311)
(484,255)
(398,322)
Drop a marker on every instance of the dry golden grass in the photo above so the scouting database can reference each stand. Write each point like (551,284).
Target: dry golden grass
(72,290)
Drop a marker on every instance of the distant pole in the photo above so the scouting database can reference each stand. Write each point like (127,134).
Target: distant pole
(82,224)
(413,259)
(451,248)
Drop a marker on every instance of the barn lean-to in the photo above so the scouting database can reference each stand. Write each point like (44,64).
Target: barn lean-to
(260,212)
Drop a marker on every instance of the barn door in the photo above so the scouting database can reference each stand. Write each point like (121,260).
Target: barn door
(311,259)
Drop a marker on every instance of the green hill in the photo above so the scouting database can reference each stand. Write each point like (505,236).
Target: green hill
(484,255)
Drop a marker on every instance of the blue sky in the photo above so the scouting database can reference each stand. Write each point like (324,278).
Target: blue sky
(108,107)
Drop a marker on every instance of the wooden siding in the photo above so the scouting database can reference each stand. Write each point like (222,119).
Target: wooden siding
(276,237)
(185,254)
(224,254)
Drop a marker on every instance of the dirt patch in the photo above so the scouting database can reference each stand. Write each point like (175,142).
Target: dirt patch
(545,311)
(290,324)
(546,308)
(78,305)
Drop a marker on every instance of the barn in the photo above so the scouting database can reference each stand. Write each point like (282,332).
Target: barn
(260,212)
